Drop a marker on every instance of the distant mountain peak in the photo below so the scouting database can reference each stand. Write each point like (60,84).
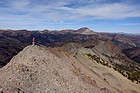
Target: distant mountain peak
(84,28)
(86,31)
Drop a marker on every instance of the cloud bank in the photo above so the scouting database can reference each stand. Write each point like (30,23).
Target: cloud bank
(67,10)
(30,12)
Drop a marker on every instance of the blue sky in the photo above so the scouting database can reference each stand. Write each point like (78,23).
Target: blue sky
(98,15)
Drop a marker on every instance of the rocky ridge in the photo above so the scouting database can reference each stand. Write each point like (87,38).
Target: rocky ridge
(38,70)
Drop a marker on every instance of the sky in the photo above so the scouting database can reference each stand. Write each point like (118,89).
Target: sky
(98,15)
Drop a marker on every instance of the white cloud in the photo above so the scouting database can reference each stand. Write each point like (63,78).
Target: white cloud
(130,24)
(61,21)
(63,10)
(110,11)
(25,11)
(20,4)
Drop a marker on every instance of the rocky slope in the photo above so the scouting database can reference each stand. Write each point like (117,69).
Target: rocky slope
(38,69)
(109,55)
(106,71)
(133,53)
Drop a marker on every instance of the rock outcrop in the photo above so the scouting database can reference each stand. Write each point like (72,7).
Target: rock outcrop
(38,69)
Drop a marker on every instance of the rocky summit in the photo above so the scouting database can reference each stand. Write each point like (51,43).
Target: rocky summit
(37,69)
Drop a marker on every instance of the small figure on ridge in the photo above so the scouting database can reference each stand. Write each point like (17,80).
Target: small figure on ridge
(33,41)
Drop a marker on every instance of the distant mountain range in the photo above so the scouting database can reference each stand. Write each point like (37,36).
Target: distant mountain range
(13,41)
